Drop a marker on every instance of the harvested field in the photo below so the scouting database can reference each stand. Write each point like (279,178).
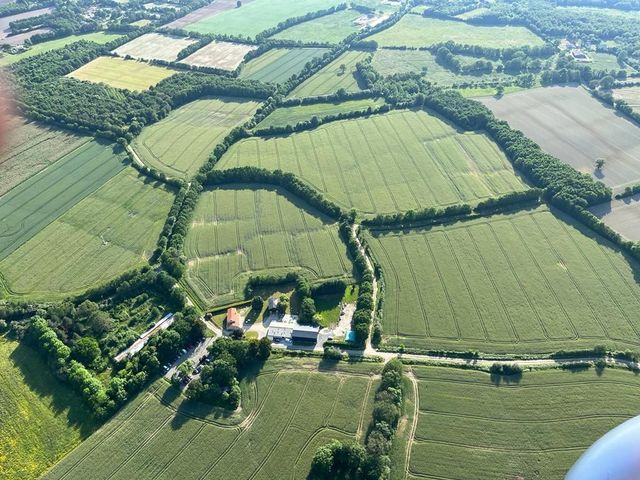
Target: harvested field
(575,127)
(154,46)
(528,282)
(631,95)
(418,31)
(293,115)
(5,30)
(119,73)
(533,427)
(113,230)
(182,142)
(36,202)
(386,163)
(332,77)
(215,8)
(42,419)
(30,148)
(257,16)
(223,55)
(290,409)
(239,232)
(330,28)
(621,215)
(280,64)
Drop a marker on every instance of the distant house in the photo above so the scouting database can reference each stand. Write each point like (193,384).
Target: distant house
(234,319)
(273,303)
(579,56)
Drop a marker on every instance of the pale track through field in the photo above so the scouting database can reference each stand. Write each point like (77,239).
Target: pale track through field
(414,422)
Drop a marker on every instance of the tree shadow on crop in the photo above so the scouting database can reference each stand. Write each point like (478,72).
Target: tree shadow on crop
(498,379)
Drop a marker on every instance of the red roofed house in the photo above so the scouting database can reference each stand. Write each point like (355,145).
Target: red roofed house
(234,319)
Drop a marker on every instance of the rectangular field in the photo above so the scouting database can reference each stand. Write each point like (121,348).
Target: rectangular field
(211,10)
(119,73)
(29,148)
(289,414)
(182,142)
(114,229)
(533,429)
(154,46)
(631,95)
(223,55)
(5,29)
(333,77)
(621,215)
(521,283)
(327,29)
(575,127)
(280,64)
(394,162)
(418,31)
(239,232)
(257,16)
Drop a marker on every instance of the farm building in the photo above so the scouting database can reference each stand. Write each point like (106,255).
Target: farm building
(273,303)
(289,328)
(234,319)
(579,56)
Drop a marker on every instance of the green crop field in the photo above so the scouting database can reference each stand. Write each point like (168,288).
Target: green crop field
(329,28)
(112,230)
(417,31)
(333,77)
(525,282)
(386,163)
(32,147)
(279,64)
(533,429)
(288,411)
(41,419)
(42,198)
(38,48)
(605,61)
(119,73)
(301,113)
(244,231)
(257,16)
(182,142)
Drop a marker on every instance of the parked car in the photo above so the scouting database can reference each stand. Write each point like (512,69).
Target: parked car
(166,368)
(183,351)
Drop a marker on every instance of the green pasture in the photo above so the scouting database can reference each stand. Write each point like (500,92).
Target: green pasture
(238,232)
(36,202)
(341,73)
(327,29)
(257,16)
(182,142)
(114,229)
(279,64)
(41,419)
(119,73)
(528,282)
(418,31)
(386,163)
(300,113)
(533,427)
(605,61)
(289,411)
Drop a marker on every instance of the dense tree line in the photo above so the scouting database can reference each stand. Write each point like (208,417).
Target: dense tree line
(13,8)
(508,200)
(428,214)
(290,22)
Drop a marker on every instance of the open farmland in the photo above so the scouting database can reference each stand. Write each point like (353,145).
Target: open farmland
(119,73)
(109,232)
(223,55)
(300,113)
(257,16)
(289,410)
(534,428)
(631,95)
(333,77)
(38,48)
(418,31)
(329,28)
(36,202)
(5,30)
(519,283)
(575,127)
(30,148)
(238,232)
(621,215)
(279,64)
(41,418)
(211,10)
(182,142)
(386,163)
(154,46)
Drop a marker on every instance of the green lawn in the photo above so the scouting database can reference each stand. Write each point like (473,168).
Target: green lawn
(119,73)
(114,229)
(182,142)
(520,283)
(535,428)
(605,61)
(301,113)
(238,232)
(257,16)
(41,419)
(333,77)
(386,163)
(330,28)
(417,31)
(279,64)
(292,409)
